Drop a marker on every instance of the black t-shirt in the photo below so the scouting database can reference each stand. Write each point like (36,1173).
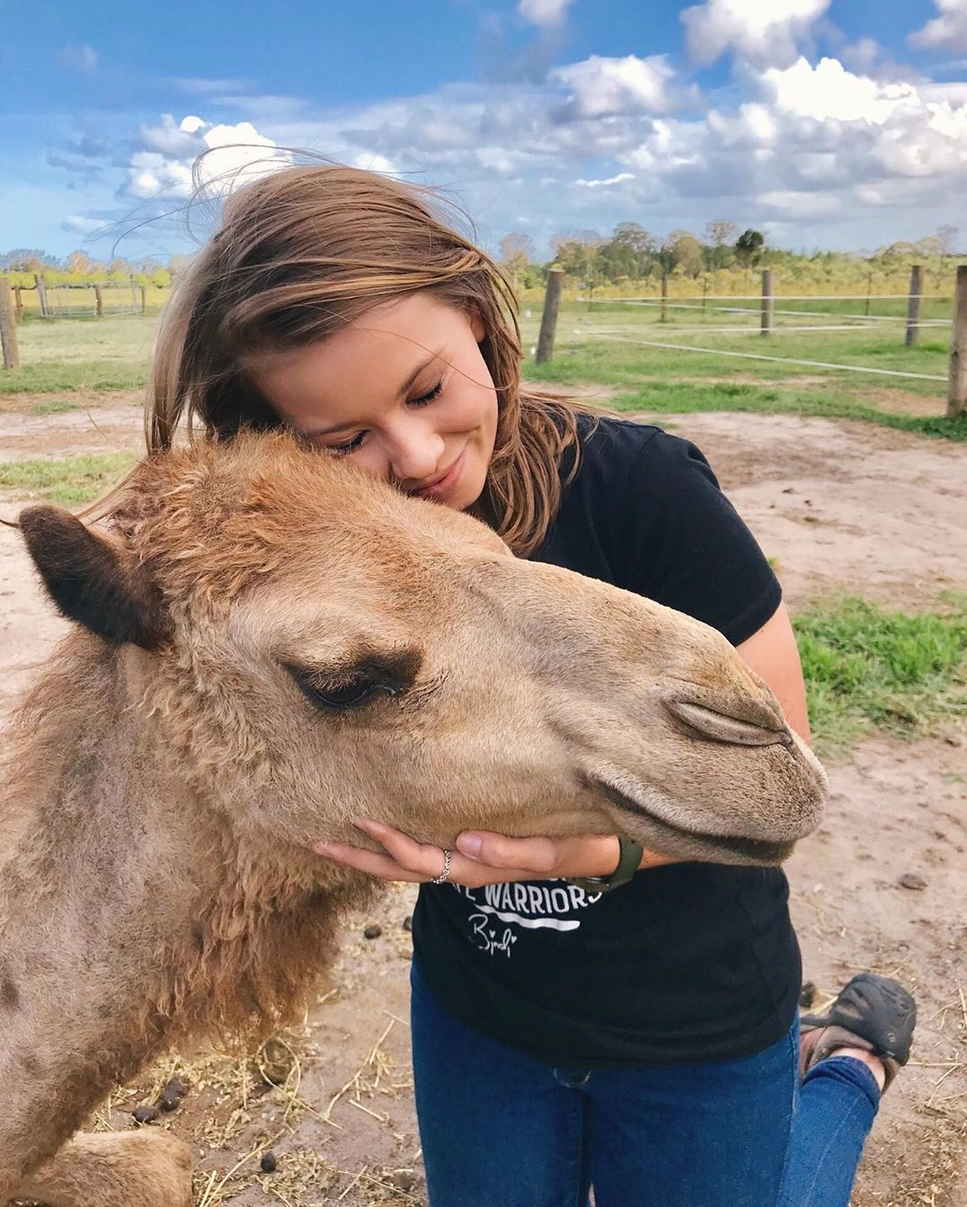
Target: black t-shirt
(689,962)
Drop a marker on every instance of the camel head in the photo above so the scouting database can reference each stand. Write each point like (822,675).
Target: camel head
(309,646)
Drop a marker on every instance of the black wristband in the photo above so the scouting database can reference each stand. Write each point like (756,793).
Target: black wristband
(629,858)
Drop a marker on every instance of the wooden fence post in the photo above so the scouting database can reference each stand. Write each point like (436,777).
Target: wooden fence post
(913,306)
(957,393)
(705,295)
(869,290)
(766,325)
(663,316)
(144,299)
(18,303)
(8,326)
(98,301)
(552,300)
(41,295)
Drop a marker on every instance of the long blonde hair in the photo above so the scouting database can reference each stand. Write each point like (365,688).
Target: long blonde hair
(302,252)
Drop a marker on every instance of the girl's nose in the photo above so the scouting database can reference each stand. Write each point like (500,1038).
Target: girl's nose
(416,454)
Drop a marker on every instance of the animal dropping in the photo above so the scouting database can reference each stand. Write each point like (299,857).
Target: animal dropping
(266,644)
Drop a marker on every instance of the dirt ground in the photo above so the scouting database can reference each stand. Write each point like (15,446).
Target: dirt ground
(840,507)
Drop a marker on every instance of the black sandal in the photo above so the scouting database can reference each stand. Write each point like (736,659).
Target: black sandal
(871,1012)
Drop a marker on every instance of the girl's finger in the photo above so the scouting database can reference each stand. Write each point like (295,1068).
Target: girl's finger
(422,858)
(370,862)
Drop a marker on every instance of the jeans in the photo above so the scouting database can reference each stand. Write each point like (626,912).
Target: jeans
(500,1129)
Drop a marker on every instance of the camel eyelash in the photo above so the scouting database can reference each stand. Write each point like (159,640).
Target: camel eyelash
(338,689)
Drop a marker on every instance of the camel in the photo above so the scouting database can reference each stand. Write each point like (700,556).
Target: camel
(268,644)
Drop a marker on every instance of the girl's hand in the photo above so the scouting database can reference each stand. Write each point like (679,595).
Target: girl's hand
(481,857)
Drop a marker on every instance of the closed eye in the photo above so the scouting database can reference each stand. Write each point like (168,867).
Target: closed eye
(357,441)
(356,686)
(428,397)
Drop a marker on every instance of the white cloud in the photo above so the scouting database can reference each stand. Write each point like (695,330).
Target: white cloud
(947,31)
(543,13)
(207,87)
(80,58)
(819,143)
(764,32)
(82,225)
(602,184)
(602,86)
(235,155)
(808,148)
(374,163)
(828,90)
(799,205)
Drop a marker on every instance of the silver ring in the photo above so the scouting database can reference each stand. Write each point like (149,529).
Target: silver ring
(442,878)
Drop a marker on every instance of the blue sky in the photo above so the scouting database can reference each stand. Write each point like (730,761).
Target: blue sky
(827,123)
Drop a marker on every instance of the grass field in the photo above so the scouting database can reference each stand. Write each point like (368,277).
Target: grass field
(610,345)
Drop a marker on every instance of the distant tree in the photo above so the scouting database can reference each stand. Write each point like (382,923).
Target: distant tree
(516,253)
(688,252)
(720,235)
(947,237)
(667,255)
(578,253)
(930,245)
(81,263)
(28,259)
(637,246)
(895,251)
(178,265)
(517,243)
(719,232)
(748,247)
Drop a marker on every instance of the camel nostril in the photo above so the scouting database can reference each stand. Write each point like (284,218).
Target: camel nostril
(759,729)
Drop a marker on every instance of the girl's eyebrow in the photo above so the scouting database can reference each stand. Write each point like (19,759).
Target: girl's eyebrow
(403,390)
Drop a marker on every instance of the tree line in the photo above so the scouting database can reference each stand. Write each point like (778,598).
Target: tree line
(632,253)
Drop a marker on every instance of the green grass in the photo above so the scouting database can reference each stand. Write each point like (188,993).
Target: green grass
(647,377)
(55,407)
(66,480)
(71,354)
(868,668)
(681,397)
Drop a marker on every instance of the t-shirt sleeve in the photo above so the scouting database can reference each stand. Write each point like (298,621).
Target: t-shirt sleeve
(684,545)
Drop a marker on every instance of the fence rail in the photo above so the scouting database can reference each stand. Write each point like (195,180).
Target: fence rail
(767,311)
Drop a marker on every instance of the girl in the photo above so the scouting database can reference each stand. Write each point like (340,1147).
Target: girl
(636,1032)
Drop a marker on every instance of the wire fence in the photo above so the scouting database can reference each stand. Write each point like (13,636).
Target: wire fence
(894,326)
(858,321)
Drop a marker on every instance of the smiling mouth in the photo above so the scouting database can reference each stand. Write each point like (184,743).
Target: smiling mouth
(444,480)
(751,848)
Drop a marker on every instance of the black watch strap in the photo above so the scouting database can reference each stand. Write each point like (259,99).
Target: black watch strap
(629,858)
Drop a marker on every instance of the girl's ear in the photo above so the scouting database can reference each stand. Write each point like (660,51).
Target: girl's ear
(477,325)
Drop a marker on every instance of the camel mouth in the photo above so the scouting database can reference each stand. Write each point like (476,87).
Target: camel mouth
(756,850)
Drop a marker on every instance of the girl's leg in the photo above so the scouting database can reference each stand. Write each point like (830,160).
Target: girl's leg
(710,1135)
(872,1017)
(838,1102)
(498,1129)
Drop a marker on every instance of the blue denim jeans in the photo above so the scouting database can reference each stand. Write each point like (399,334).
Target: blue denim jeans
(502,1130)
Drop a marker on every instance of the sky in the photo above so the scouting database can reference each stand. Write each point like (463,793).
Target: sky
(827,124)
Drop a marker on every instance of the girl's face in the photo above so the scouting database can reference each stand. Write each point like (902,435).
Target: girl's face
(403,392)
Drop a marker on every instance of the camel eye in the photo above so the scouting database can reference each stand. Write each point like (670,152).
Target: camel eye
(354,686)
(348,695)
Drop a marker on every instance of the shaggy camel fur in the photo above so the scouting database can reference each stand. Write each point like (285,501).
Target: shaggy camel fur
(270,644)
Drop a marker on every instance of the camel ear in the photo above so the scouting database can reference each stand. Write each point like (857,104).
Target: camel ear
(91,581)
